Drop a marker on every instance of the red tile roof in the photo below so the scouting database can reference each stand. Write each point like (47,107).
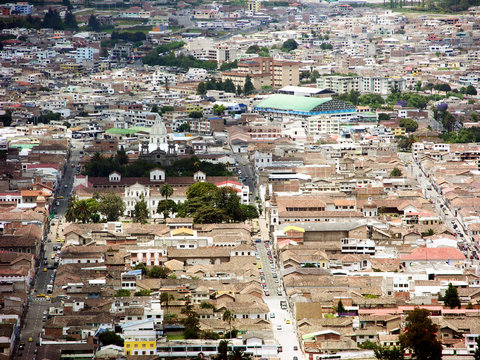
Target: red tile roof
(441,253)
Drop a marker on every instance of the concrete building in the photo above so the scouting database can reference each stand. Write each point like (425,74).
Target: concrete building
(367,84)
(265,72)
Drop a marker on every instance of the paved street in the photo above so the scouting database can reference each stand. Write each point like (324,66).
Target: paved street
(37,300)
(430,192)
(285,334)
(246,174)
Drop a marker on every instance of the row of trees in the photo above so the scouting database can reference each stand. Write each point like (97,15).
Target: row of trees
(52,20)
(179,61)
(375,101)
(214,84)
(110,205)
(100,166)
(227,86)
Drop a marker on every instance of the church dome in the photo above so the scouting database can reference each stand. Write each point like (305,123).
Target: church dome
(158,129)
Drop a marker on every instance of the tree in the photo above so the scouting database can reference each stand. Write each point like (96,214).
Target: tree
(396,172)
(289,45)
(253,49)
(6,118)
(442,87)
(195,115)
(373,100)
(388,353)
(166,190)
(383,117)
(201,88)
(111,206)
(143,292)
(239,90)
(420,336)
(218,109)
(93,23)
(229,65)
(166,207)
(52,20)
(191,322)
(122,156)
(470,90)
(209,215)
(154,108)
(476,354)
(83,210)
(238,354)
(249,211)
(141,266)
(229,86)
(159,272)
(110,338)
(166,108)
(222,350)
(140,212)
(409,124)
(451,298)
(326,46)
(227,317)
(70,213)
(405,143)
(248,88)
(165,299)
(340,308)
(185,127)
(122,293)
(200,189)
(70,21)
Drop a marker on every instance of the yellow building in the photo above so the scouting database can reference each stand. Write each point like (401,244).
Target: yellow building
(254,5)
(140,347)
(191,107)
(399,131)
(140,337)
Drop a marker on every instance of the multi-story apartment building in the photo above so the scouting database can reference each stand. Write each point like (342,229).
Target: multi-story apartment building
(265,72)
(373,84)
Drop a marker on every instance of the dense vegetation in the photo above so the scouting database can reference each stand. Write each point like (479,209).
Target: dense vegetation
(462,136)
(444,6)
(164,55)
(181,61)
(207,204)
(103,166)
(214,84)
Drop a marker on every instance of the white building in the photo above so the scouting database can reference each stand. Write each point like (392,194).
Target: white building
(323,125)
(85,53)
(358,246)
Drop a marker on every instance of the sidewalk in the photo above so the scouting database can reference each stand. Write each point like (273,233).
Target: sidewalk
(263,229)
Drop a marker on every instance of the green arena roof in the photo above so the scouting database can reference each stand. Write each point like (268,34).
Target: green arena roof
(132,130)
(292,102)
